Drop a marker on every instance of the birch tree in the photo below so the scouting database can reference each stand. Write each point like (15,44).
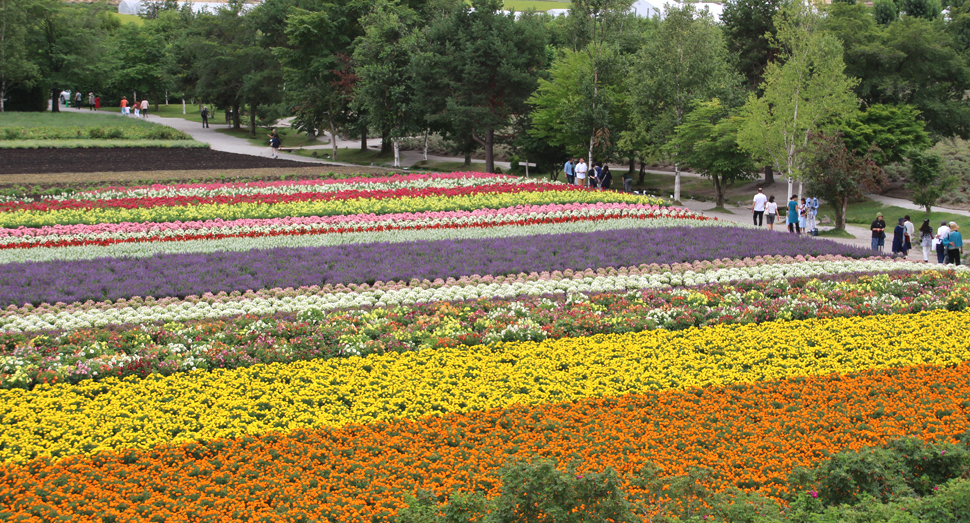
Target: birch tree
(805,91)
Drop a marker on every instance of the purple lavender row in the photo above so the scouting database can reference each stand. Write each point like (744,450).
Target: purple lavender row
(180,275)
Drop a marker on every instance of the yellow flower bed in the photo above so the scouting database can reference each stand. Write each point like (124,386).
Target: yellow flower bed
(312,208)
(112,414)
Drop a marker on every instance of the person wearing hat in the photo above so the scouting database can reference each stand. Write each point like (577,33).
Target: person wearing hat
(940,240)
(954,244)
(878,228)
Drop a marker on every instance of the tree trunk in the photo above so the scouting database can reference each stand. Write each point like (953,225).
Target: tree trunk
(385,143)
(55,101)
(468,158)
(676,182)
(718,190)
(235,116)
(769,175)
(643,173)
(363,139)
(397,152)
(633,164)
(490,151)
(801,188)
(426,131)
(791,184)
(252,120)
(333,141)
(840,210)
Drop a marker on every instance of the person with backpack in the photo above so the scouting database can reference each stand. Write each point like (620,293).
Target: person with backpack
(205,117)
(274,143)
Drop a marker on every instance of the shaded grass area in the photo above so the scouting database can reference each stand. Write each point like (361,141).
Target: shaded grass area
(864,212)
(836,233)
(174,110)
(289,137)
(447,167)
(82,143)
(351,155)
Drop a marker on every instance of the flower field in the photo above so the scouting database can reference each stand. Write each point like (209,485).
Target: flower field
(317,350)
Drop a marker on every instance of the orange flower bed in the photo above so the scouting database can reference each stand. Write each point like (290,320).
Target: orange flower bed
(750,435)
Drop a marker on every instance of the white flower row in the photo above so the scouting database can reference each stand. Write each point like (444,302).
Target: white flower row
(238,244)
(214,306)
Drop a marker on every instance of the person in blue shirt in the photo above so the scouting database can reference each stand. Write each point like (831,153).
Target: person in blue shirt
(793,226)
(568,169)
(954,244)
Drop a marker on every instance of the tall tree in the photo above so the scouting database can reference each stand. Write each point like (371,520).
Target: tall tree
(385,86)
(483,64)
(147,64)
(15,66)
(685,62)
(837,175)
(894,129)
(805,90)
(748,25)
(927,179)
(707,143)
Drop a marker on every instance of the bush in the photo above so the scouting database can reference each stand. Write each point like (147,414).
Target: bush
(27,99)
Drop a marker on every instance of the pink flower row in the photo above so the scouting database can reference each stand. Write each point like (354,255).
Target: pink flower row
(160,228)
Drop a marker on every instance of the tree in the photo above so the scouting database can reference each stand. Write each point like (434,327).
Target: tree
(805,90)
(926,9)
(481,64)
(707,143)
(927,179)
(16,69)
(837,175)
(147,64)
(893,129)
(747,26)
(885,11)
(385,86)
(686,61)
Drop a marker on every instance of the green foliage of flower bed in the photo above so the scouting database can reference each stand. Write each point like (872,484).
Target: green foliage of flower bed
(88,143)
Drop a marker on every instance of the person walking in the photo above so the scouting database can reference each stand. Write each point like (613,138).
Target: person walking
(941,234)
(607,180)
(274,143)
(144,108)
(581,173)
(954,242)
(124,106)
(596,176)
(910,232)
(97,103)
(758,207)
(878,228)
(77,100)
(771,211)
(926,239)
(792,215)
(205,117)
(568,169)
(810,216)
(899,237)
(90,101)
(803,215)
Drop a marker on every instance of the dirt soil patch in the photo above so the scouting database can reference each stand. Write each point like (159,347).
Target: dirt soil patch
(42,161)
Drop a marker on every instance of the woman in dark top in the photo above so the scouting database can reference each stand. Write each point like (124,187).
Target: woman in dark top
(607,177)
(899,237)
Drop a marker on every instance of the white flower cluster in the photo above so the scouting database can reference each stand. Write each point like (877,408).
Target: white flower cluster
(265,304)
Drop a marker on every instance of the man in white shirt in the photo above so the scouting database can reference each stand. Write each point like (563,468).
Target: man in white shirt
(941,235)
(758,207)
(581,173)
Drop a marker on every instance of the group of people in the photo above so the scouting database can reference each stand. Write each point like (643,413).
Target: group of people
(799,215)
(141,108)
(94,102)
(947,240)
(577,172)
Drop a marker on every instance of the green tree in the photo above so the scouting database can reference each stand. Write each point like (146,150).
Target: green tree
(926,9)
(803,91)
(893,129)
(478,68)
(748,25)
(385,84)
(707,143)
(147,64)
(927,179)
(16,69)
(835,174)
(685,62)
(885,12)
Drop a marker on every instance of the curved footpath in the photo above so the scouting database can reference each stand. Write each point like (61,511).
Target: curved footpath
(224,142)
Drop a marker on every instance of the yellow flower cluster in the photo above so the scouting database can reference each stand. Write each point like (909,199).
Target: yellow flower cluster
(113,414)
(312,208)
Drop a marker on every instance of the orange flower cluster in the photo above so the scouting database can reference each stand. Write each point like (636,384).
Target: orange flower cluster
(750,435)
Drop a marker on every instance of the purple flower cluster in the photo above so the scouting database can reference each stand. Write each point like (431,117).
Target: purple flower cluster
(180,275)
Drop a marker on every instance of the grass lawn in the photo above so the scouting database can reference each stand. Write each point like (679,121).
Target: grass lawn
(129,19)
(525,5)
(351,155)
(835,233)
(863,213)
(288,137)
(68,118)
(82,143)
(449,167)
(174,110)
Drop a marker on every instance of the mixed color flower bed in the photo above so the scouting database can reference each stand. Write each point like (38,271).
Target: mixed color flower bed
(320,349)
